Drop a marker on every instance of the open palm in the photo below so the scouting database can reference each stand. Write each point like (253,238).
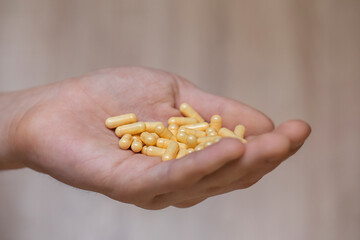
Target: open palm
(62,133)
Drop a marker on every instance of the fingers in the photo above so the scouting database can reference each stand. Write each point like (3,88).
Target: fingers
(233,112)
(262,154)
(181,174)
(189,203)
(296,130)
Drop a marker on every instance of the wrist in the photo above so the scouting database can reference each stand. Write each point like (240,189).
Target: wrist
(8,122)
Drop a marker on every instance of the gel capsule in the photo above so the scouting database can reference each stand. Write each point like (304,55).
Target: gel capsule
(240,130)
(181,153)
(164,143)
(171,151)
(210,130)
(173,128)
(154,151)
(188,131)
(113,122)
(191,141)
(150,126)
(125,141)
(136,145)
(197,126)
(181,137)
(215,122)
(148,138)
(181,120)
(199,147)
(224,132)
(163,132)
(133,128)
(208,139)
(188,111)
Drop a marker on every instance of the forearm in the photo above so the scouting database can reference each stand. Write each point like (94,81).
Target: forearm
(8,159)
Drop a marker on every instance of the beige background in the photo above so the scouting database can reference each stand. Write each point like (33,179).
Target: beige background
(288,58)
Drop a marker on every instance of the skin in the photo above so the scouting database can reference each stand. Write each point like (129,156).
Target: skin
(59,130)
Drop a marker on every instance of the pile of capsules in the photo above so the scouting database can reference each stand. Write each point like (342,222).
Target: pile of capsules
(182,136)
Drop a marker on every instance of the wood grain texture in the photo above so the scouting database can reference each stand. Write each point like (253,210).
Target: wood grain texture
(290,59)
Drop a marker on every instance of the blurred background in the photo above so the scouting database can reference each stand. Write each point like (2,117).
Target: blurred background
(287,58)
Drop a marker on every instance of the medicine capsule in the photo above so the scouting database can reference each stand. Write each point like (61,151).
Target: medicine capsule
(199,147)
(153,151)
(148,139)
(171,151)
(207,139)
(144,149)
(181,153)
(208,143)
(136,145)
(150,126)
(164,143)
(224,132)
(181,137)
(240,130)
(136,137)
(181,120)
(133,128)
(210,130)
(190,150)
(163,132)
(125,141)
(216,122)
(173,128)
(197,126)
(188,111)
(114,122)
(191,141)
(188,131)
(155,135)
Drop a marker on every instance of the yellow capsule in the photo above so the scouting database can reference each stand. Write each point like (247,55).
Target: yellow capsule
(125,141)
(181,137)
(136,137)
(163,132)
(144,149)
(114,122)
(136,145)
(212,134)
(190,150)
(148,139)
(181,120)
(191,141)
(188,111)
(210,131)
(188,131)
(199,147)
(207,139)
(224,132)
(164,143)
(133,128)
(197,126)
(181,153)
(171,151)
(173,128)
(215,122)
(155,135)
(154,151)
(208,143)
(240,130)
(150,126)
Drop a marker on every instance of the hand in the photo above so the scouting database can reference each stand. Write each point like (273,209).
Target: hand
(59,130)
